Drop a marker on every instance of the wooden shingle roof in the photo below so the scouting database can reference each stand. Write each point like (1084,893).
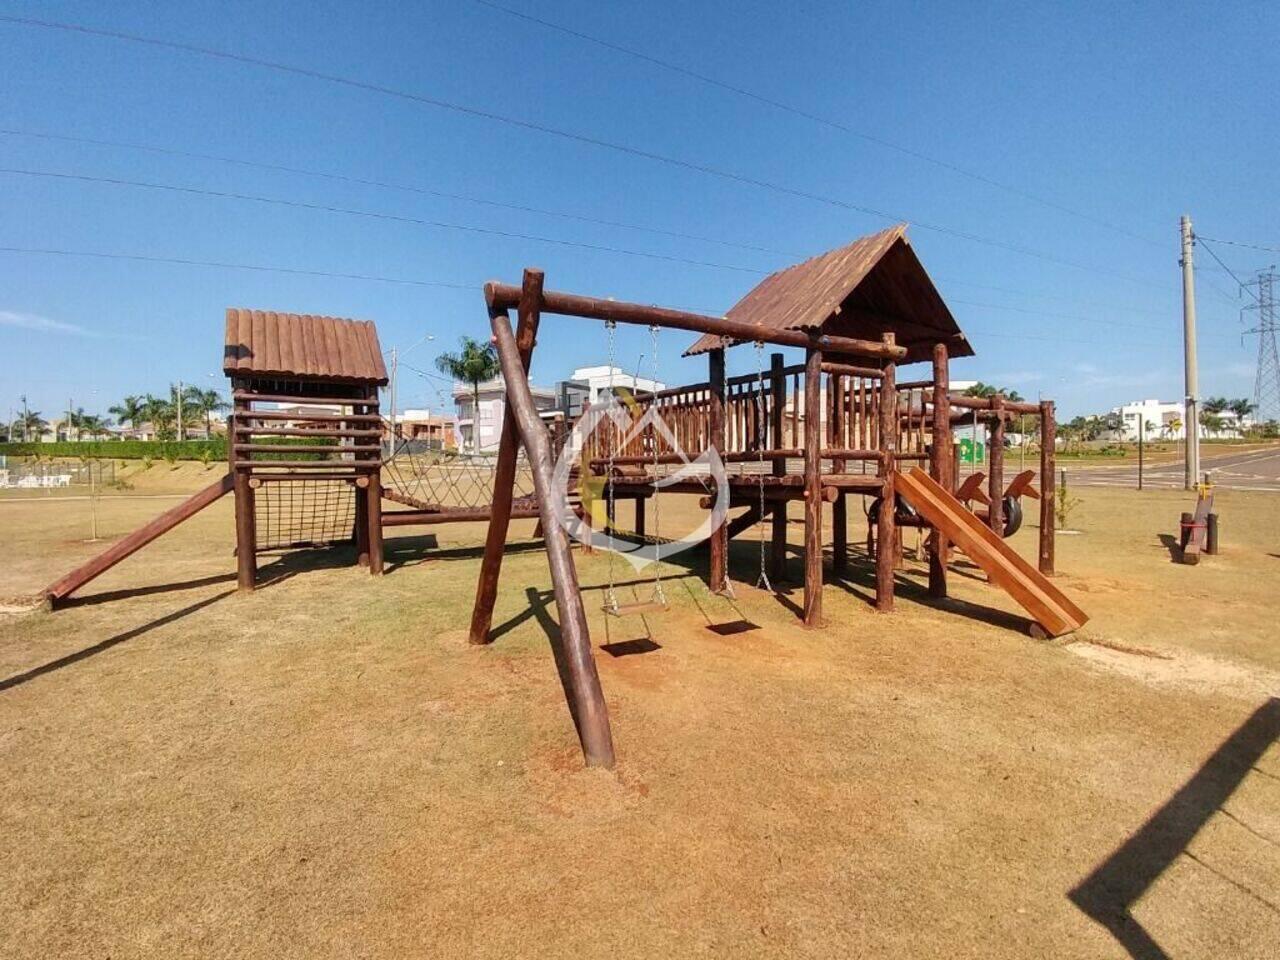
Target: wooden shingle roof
(263,343)
(873,286)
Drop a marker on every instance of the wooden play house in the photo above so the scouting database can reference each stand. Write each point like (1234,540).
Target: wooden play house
(312,382)
(840,423)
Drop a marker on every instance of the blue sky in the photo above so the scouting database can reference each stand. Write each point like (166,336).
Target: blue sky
(1126,115)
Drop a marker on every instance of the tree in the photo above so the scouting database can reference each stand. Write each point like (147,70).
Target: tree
(475,363)
(129,410)
(1215,405)
(161,415)
(1212,422)
(1242,408)
(30,422)
(205,403)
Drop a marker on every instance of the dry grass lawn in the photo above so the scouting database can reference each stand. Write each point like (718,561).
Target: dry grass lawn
(325,768)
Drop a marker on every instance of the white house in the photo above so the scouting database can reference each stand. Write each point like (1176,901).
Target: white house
(598,380)
(487,421)
(1164,421)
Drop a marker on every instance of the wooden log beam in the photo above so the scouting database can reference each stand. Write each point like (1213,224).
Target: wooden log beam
(719,548)
(940,464)
(886,531)
(588,705)
(63,587)
(995,476)
(505,296)
(813,487)
(504,474)
(1048,486)
(778,525)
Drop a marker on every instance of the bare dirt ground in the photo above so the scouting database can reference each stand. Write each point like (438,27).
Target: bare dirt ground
(325,768)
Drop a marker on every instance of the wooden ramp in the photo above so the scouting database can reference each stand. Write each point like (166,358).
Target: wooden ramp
(1048,605)
(77,578)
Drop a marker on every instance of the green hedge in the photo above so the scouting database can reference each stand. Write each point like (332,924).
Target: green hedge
(215,449)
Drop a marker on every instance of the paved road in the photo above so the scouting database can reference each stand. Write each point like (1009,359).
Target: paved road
(1248,470)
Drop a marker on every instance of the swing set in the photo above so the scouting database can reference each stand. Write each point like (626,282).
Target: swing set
(846,428)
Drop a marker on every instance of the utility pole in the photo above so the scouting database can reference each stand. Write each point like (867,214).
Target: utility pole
(180,436)
(1191,418)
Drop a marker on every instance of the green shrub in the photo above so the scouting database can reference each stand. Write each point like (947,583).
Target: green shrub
(171,451)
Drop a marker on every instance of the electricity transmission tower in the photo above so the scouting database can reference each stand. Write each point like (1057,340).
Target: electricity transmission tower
(1266,387)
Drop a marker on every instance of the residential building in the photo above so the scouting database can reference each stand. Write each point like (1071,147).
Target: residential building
(586,385)
(1164,421)
(437,430)
(486,421)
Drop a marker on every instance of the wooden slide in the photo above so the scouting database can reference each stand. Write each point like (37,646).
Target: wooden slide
(1048,605)
(77,578)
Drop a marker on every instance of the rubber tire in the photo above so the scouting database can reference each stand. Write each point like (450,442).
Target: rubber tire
(1012,507)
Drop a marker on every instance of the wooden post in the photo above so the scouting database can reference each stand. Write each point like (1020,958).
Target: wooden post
(778,537)
(839,512)
(373,508)
(588,706)
(640,519)
(504,476)
(813,487)
(361,503)
(940,463)
(719,579)
(886,528)
(246,539)
(995,459)
(1048,485)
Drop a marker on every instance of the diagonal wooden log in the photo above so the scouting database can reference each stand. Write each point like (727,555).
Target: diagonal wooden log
(77,578)
(586,698)
(504,475)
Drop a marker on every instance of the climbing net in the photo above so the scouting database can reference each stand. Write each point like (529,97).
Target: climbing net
(304,513)
(449,480)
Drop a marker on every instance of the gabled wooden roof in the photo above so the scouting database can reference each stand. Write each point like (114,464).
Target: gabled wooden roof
(263,343)
(873,286)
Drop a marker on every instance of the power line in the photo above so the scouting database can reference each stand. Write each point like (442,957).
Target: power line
(425,191)
(1240,243)
(386,185)
(557,132)
(222,264)
(373,278)
(374,215)
(815,118)
(1058,316)
(1238,281)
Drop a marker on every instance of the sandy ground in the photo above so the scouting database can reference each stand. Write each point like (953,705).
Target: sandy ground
(325,768)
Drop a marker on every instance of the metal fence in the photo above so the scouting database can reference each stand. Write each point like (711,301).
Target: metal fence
(39,474)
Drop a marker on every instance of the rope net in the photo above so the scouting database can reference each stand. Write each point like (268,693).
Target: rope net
(450,480)
(304,513)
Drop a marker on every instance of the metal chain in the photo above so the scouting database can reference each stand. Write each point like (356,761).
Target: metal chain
(611,597)
(659,595)
(761,434)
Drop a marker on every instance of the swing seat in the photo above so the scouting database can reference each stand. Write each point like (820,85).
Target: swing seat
(639,607)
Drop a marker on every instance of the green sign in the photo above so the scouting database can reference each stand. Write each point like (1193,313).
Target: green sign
(971,451)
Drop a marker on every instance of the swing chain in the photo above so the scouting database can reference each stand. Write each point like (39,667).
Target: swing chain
(659,595)
(761,434)
(611,596)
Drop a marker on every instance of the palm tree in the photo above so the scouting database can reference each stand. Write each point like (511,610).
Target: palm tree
(205,403)
(160,413)
(1242,408)
(1215,405)
(31,422)
(129,410)
(475,363)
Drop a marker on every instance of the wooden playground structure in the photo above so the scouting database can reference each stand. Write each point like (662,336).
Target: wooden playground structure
(858,312)
(306,462)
